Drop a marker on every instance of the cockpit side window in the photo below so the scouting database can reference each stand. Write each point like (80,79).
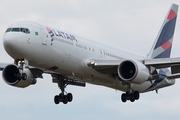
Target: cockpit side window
(15,30)
(27,30)
(9,29)
(24,30)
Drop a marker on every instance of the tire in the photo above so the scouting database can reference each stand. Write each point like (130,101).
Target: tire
(65,99)
(132,99)
(136,95)
(56,99)
(124,97)
(24,76)
(60,96)
(18,76)
(69,97)
(128,93)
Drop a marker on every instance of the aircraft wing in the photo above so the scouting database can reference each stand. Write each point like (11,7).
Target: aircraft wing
(110,66)
(3,65)
(161,63)
(37,73)
(174,63)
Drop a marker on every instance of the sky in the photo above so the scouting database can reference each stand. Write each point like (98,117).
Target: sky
(128,24)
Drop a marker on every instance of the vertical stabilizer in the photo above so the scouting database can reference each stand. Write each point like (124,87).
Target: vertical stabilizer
(163,43)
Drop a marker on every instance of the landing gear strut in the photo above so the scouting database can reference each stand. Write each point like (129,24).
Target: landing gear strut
(63,96)
(62,83)
(130,95)
(20,64)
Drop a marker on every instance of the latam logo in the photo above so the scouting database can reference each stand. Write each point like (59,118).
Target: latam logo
(60,34)
(51,33)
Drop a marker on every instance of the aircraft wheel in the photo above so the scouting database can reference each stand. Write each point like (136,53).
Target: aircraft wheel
(65,99)
(24,76)
(136,95)
(124,97)
(132,99)
(60,96)
(18,76)
(56,99)
(69,97)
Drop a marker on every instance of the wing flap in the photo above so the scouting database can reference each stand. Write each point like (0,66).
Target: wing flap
(175,68)
(161,63)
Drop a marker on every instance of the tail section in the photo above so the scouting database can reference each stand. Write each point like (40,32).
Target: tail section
(163,43)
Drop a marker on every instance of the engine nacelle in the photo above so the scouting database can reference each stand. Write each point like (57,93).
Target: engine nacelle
(133,71)
(11,72)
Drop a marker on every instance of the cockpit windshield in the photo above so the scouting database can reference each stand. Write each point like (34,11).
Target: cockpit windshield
(24,30)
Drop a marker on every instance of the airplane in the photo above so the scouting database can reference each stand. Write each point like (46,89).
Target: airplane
(72,60)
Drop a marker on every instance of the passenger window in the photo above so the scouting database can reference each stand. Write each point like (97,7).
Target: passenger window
(9,29)
(15,30)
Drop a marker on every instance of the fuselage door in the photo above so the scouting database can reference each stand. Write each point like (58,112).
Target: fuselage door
(43,37)
(101,54)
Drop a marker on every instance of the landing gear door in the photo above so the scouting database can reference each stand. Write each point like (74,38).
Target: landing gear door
(43,37)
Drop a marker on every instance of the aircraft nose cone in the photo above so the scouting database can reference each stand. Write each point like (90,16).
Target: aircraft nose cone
(10,40)
(10,43)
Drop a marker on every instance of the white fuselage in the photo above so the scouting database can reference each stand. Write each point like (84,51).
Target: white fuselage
(68,53)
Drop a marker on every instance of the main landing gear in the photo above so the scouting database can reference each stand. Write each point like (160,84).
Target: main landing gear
(130,95)
(64,97)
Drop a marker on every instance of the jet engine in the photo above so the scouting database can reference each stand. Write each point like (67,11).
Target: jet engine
(133,71)
(12,76)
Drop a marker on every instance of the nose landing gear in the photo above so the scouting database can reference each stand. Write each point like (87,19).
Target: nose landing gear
(21,64)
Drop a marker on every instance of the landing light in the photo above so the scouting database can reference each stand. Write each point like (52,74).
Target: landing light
(21,62)
(90,64)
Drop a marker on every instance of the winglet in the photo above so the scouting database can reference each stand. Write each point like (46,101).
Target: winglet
(163,43)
